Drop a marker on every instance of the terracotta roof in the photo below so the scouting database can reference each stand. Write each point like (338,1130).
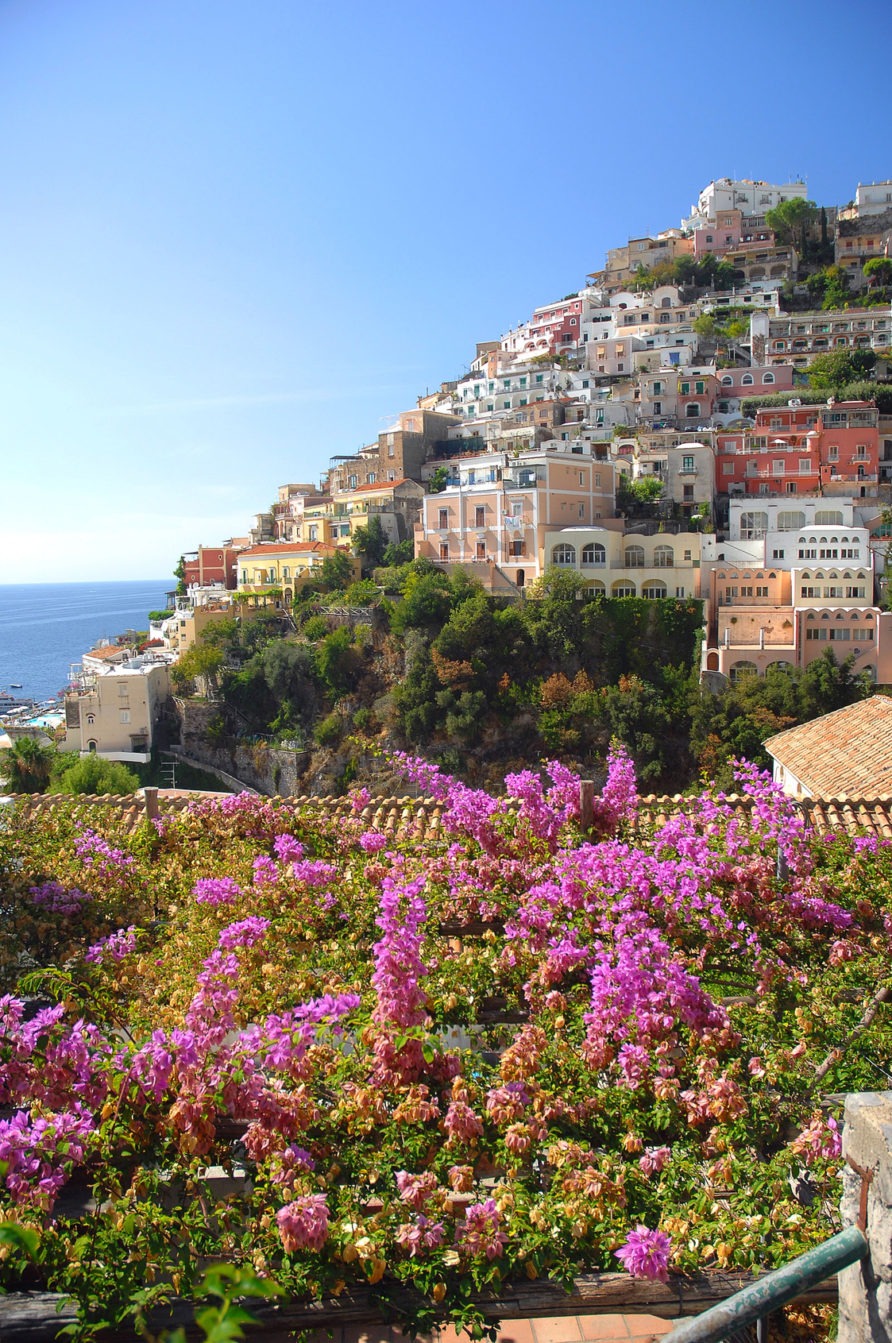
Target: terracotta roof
(847,753)
(422,817)
(378,485)
(285,548)
(111,653)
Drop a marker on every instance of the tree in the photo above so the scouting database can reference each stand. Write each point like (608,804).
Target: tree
(642,490)
(438,481)
(338,660)
(790,220)
(878,271)
(90,774)
(204,660)
(370,543)
(399,552)
(336,573)
(179,574)
(837,368)
(705,326)
(27,766)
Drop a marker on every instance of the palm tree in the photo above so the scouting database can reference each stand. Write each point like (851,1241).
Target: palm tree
(27,766)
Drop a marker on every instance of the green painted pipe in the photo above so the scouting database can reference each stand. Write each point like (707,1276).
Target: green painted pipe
(772,1291)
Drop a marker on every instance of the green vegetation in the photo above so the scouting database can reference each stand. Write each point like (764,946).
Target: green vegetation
(26,766)
(481,681)
(641,490)
(737,721)
(709,273)
(790,221)
(91,774)
(838,369)
(370,543)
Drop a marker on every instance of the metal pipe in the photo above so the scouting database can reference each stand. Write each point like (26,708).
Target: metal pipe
(772,1291)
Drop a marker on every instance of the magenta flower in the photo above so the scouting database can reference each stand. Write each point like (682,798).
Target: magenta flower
(303,1224)
(645,1254)
(216,890)
(480,1232)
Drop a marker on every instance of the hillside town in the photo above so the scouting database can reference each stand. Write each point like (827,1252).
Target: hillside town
(706,418)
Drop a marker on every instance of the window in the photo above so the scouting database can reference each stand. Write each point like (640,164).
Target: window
(855,590)
(762,590)
(816,634)
(594,556)
(623,590)
(124,715)
(747,380)
(480,515)
(753,526)
(352,482)
(443,519)
(634,557)
(740,670)
(664,557)
(564,554)
(687,464)
(692,410)
(778,554)
(516,548)
(841,635)
(654,590)
(444,550)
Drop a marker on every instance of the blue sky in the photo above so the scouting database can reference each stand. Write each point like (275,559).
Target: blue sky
(237,238)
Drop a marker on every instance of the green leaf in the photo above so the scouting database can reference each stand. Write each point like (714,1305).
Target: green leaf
(19,1238)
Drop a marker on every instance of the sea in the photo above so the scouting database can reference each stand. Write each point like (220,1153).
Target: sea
(47,627)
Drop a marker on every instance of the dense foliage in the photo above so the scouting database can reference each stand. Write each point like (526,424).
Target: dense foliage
(333,1055)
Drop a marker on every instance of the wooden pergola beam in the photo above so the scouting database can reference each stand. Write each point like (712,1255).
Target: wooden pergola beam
(36,1317)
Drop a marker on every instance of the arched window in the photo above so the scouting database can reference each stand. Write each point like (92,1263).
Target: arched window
(828,517)
(727,380)
(91,719)
(781,666)
(564,554)
(766,378)
(653,589)
(753,526)
(740,670)
(596,589)
(91,745)
(594,556)
(664,557)
(621,589)
(747,380)
(790,521)
(634,557)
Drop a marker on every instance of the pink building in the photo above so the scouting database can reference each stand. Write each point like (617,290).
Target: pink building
(831,449)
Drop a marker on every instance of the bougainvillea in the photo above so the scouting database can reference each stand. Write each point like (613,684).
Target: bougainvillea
(505,1049)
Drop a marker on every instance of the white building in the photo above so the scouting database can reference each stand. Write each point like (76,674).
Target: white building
(873,198)
(744,194)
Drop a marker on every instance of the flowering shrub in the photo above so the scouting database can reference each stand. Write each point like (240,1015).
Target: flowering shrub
(514,1050)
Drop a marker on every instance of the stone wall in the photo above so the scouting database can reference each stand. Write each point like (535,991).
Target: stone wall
(865,1289)
(270,770)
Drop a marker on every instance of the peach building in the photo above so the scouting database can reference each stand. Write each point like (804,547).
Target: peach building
(497,507)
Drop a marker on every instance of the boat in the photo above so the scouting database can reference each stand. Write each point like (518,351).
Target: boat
(15,685)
